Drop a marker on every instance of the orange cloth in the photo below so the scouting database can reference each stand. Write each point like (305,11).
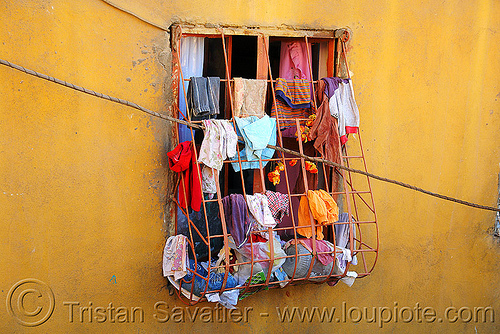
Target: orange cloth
(323,208)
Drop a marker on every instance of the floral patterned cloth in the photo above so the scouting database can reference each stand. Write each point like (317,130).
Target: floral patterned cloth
(218,144)
(259,208)
(175,257)
(208,180)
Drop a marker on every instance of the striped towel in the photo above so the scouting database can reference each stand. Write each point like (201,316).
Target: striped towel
(293,100)
(296,93)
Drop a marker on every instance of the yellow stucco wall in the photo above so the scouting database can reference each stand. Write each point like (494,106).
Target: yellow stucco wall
(83,181)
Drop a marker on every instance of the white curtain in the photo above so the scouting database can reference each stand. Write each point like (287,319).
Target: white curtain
(192,53)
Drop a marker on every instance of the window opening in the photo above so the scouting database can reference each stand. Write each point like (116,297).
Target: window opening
(287,256)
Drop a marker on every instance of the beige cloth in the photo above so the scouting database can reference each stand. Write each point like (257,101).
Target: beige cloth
(249,97)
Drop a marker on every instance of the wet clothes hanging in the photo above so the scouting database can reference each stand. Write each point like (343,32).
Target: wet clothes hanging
(293,100)
(249,97)
(219,143)
(257,134)
(324,130)
(203,97)
(236,216)
(324,210)
(343,106)
(182,160)
(175,257)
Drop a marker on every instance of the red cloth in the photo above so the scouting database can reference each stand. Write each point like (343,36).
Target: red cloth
(257,238)
(182,159)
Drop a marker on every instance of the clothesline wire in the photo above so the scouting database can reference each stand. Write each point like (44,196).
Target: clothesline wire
(277,148)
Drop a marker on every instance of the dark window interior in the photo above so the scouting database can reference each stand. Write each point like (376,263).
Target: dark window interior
(244,57)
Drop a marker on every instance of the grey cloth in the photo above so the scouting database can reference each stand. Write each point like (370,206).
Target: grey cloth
(203,97)
(342,238)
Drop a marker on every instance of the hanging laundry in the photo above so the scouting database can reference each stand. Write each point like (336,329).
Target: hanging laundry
(249,97)
(236,216)
(343,106)
(323,208)
(208,183)
(259,208)
(293,60)
(182,160)
(293,100)
(192,51)
(219,143)
(175,257)
(257,134)
(203,96)
(295,93)
(342,239)
(279,205)
(324,130)
(332,84)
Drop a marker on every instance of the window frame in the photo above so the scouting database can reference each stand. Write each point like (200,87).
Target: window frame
(336,50)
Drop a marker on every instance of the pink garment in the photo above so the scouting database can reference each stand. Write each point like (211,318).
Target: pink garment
(293,61)
(321,246)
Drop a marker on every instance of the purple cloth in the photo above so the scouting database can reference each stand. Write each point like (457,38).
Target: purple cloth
(289,132)
(332,84)
(236,216)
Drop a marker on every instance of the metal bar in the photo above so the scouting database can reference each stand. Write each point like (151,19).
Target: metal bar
(193,143)
(280,144)
(373,201)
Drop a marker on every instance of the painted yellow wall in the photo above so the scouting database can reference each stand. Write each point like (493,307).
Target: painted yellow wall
(83,182)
